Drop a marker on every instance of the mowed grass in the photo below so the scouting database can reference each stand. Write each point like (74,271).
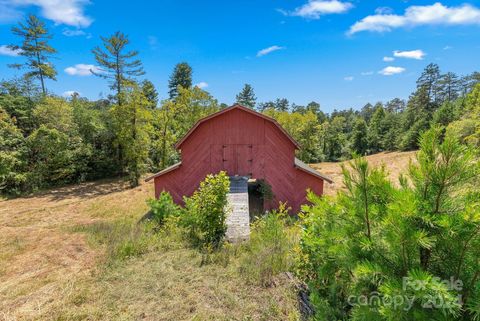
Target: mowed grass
(82,253)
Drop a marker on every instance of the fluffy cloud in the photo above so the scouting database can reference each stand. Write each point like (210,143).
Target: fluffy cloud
(268,50)
(313,9)
(388,59)
(68,12)
(348,78)
(82,70)
(202,85)
(435,14)
(412,54)
(390,70)
(5,51)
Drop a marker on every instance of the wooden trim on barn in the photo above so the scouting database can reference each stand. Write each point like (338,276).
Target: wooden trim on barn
(164,171)
(307,169)
(237,106)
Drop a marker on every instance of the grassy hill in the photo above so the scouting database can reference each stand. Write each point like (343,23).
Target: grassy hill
(60,260)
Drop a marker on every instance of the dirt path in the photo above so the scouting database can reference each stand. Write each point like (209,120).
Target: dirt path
(40,257)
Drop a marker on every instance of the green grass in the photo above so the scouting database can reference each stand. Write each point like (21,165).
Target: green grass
(155,275)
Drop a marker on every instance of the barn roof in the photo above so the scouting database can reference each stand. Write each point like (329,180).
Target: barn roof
(164,171)
(304,167)
(226,110)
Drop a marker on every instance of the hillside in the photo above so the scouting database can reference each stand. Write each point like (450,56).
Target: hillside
(395,163)
(53,261)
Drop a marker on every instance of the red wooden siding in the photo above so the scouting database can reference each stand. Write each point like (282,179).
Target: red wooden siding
(241,142)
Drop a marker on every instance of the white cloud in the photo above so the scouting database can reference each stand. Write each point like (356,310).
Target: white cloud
(412,54)
(8,13)
(68,12)
(435,14)
(82,70)
(5,51)
(348,78)
(366,73)
(388,59)
(70,93)
(313,9)
(202,85)
(447,47)
(268,50)
(73,32)
(390,70)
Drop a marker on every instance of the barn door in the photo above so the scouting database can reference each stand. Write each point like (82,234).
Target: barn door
(229,159)
(244,159)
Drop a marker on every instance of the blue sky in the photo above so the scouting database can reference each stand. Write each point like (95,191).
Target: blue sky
(330,51)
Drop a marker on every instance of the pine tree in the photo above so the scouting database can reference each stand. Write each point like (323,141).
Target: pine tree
(247,97)
(181,76)
(150,93)
(282,104)
(448,87)
(117,65)
(36,49)
(429,79)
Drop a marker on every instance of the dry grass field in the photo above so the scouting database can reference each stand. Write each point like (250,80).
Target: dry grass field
(395,163)
(54,261)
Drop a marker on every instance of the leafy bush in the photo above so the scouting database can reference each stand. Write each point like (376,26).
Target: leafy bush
(270,249)
(378,252)
(163,207)
(205,211)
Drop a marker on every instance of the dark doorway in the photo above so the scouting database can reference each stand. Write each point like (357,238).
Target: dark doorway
(255,199)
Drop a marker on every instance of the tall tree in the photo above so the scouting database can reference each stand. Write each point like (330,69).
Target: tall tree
(150,93)
(132,126)
(117,65)
(429,79)
(448,87)
(247,97)
(181,76)
(36,49)
(396,105)
(282,104)
(376,130)
(359,136)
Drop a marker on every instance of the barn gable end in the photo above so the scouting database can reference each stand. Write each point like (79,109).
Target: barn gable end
(242,142)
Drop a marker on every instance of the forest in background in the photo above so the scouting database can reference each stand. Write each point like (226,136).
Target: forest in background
(47,140)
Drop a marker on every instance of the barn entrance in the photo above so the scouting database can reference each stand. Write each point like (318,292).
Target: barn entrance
(238,159)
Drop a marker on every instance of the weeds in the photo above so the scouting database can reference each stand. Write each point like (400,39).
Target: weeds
(270,250)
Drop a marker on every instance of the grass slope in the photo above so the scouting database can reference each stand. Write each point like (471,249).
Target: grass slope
(57,261)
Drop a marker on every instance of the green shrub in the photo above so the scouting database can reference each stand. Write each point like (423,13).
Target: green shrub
(163,207)
(377,252)
(205,211)
(270,250)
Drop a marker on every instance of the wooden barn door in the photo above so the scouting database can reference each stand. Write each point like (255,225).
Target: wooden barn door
(244,159)
(229,159)
(238,159)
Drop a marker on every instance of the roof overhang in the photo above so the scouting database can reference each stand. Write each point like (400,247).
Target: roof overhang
(164,171)
(237,106)
(307,169)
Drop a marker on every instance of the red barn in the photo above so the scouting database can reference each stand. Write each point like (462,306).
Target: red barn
(241,142)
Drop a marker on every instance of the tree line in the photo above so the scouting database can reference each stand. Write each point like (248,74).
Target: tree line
(439,99)
(47,140)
